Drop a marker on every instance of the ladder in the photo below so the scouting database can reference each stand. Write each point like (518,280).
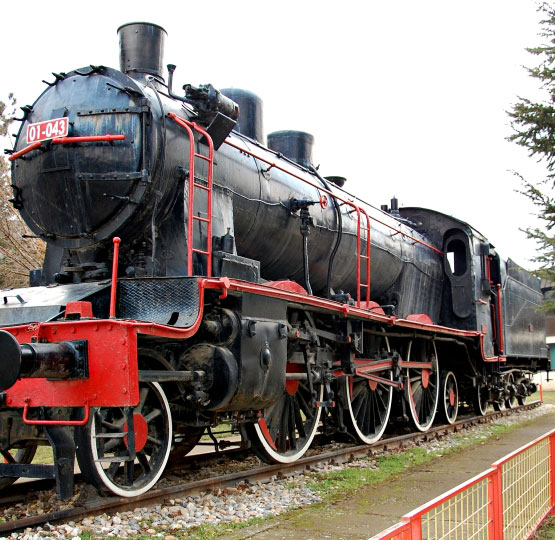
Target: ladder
(191,128)
(363,281)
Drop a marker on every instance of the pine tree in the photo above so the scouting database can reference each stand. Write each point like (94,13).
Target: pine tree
(18,253)
(534,125)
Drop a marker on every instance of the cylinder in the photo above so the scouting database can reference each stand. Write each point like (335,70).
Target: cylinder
(295,145)
(141,49)
(250,122)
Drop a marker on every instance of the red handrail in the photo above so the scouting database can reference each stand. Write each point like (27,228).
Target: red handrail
(115,261)
(189,127)
(68,140)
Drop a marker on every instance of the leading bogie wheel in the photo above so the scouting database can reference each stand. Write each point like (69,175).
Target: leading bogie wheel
(422,384)
(102,444)
(449,406)
(286,429)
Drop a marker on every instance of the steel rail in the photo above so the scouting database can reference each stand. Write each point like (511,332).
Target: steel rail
(265,473)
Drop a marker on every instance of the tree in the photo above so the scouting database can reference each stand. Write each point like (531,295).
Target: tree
(534,125)
(19,252)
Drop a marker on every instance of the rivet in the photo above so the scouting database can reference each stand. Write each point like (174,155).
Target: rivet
(124,390)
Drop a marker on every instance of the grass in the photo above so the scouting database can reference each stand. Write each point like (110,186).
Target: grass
(347,481)
(546,531)
(44,456)
(548,397)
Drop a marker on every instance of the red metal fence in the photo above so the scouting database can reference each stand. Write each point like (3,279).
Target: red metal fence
(507,502)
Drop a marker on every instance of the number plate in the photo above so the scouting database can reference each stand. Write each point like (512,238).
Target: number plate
(51,129)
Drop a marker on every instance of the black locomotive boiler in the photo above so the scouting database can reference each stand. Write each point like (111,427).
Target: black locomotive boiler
(194,275)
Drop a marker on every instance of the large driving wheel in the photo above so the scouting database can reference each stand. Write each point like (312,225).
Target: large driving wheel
(286,429)
(102,444)
(450,397)
(369,405)
(422,385)
(22,456)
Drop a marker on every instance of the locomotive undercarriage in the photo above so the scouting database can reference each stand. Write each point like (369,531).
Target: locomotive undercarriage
(341,376)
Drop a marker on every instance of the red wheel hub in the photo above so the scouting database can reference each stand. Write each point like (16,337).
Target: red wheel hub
(373,385)
(425,377)
(451,397)
(141,431)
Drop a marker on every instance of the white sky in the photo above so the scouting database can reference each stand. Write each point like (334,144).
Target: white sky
(405,98)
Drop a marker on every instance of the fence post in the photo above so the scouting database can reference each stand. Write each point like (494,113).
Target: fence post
(552,471)
(495,506)
(416,528)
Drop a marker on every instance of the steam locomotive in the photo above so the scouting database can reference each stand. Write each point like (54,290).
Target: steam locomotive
(194,276)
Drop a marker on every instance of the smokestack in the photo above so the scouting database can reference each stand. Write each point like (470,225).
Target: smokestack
(295,145)
(141,49)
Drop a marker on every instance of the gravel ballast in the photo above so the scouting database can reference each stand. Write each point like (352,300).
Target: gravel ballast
(241,503)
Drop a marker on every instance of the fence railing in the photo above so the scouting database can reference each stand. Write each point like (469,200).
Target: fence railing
(509,501)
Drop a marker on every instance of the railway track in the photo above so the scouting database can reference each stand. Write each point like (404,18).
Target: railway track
(90,503)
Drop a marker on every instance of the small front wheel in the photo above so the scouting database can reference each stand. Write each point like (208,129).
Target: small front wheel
(102,444)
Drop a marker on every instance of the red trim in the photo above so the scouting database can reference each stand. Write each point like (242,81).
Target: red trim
(414,365)
(344,309)
(82,309)
(420,317)
(360,372)
(68,140)
(372,306)
(286,285)
(113,292)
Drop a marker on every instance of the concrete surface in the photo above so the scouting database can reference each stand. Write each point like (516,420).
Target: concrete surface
(375,508)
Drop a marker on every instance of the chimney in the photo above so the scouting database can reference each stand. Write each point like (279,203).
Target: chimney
(141,49)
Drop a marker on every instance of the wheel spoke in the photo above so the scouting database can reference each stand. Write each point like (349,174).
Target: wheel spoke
(143,461)
(152,415)
(291,424)
(143,394)
(154,441)
(299,421)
